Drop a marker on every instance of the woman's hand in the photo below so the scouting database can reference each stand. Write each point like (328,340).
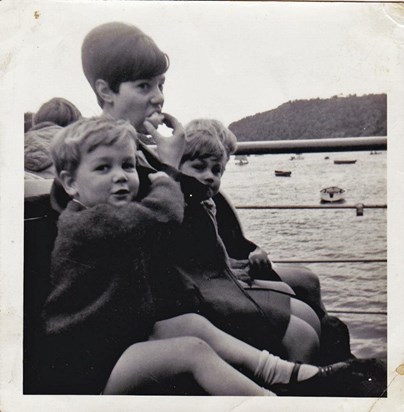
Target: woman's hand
(169,148)
(259,262)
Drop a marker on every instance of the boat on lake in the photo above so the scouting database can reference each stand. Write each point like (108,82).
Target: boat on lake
(332,194)
(296,157)
(284,173)
(344,162)
(241,160)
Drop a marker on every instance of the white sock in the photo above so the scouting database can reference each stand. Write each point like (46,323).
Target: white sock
(272,369)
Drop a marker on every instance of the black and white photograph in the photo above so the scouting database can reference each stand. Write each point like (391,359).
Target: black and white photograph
(201,205)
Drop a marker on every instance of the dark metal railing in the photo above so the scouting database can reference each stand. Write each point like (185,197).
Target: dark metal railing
(330,261)
(343,144)
(359,207)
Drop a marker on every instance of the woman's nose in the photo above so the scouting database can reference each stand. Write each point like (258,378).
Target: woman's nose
(158,96)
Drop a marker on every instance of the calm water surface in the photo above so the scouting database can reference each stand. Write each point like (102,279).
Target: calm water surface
(324,234)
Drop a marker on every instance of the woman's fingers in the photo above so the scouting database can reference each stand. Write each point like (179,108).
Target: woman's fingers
(169,148)
(152,130)
(173,123)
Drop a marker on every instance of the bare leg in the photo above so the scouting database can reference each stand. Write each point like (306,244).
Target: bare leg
(301,342)
(306,313)
(148,363)
(229,348)
(303,281)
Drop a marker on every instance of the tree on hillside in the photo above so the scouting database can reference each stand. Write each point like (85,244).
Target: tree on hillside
(350,116)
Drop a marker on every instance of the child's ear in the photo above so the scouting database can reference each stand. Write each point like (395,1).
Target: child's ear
(104,91)
(68,182)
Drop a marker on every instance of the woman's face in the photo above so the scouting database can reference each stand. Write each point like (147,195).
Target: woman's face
(139,99)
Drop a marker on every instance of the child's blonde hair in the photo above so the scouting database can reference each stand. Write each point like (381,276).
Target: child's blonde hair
(84,136)
(208,137)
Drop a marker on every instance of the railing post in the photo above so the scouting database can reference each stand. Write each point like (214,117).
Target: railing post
(359,209)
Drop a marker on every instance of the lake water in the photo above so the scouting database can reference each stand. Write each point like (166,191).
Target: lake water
(324,234)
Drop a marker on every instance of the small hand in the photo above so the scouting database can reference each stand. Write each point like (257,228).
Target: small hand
(169,149)
(154,176)
(259,262)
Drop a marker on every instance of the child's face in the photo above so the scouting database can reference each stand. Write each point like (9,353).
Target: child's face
(208,170)
(107,175)
(139,99)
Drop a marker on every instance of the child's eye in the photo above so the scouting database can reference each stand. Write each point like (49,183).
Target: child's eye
(128,165)
(161,86)
(217,170)
(102,168)
(198,166)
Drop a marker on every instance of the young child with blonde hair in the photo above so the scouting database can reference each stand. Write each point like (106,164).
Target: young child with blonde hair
(99,318)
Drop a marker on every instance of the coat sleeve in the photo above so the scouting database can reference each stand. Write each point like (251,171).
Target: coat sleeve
(230,231)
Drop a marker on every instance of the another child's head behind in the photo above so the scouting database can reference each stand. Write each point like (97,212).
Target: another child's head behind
(209,145)
(117,54)
(95,160)
(57,110)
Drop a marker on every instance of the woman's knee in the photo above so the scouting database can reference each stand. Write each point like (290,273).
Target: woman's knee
(301,340)
(299,275)
(195,350)
(306,313)
(183,325)
(310,279)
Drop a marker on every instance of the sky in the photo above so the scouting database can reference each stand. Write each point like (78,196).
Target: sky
(228,60)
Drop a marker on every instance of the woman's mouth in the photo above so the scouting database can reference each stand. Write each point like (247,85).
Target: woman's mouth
(156,119)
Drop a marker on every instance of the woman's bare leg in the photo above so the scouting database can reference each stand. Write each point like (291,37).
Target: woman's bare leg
(301,341)
(303,281)
(148,363)
(229,348)
(306,313)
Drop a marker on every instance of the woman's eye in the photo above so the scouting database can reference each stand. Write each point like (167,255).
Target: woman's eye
(161,86)
(144,86)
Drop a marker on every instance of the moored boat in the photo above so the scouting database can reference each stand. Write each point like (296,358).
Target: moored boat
(332,194)
(344,162)
(296,157)
(284,173)
(240,160)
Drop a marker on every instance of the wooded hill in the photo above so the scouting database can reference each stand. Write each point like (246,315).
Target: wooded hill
(351,116)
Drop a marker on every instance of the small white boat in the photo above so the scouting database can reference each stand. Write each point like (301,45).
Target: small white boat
(332,194)
(296,157)
(240,160)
